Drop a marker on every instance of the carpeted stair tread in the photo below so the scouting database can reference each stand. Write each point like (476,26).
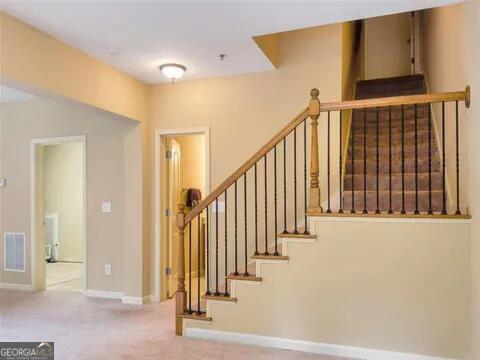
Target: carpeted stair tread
(402,148)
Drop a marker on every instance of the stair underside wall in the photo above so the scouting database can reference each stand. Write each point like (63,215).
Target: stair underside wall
(395,285)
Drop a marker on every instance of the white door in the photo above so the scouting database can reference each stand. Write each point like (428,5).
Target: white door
(388,46)
(173,189)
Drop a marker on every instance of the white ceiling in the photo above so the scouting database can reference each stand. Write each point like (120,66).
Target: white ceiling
(8,95)
(149,33)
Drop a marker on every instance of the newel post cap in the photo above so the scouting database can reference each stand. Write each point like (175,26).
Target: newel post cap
(314,105)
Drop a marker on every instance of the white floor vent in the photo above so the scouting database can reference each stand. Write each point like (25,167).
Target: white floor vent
(14,252)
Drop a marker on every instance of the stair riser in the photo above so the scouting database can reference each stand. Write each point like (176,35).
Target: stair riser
(422,166)
(383,126)
(408,151)
(384,139)
(383,114)
(423,201)
(384,184)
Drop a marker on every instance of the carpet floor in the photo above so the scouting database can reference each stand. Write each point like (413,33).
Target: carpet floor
(87,328)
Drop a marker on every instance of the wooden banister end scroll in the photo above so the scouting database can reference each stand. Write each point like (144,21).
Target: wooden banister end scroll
(314,113)
(181,295)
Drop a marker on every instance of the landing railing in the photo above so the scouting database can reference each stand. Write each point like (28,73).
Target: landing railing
(402,156)
(267,201)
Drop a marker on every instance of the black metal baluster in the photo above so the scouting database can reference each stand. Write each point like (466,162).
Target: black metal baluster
(403,160)
(306,232)
(285,231)
(295,178)
(444,185)
(236,229)
(377,210)
(430,212)
(275,197)
(365,211)
(328,164)
(245,222)
(256,212)
(416,160)
(216,248)
(340,165)
(352,211)
(198,264)
(458,212)
(390,205)
(190,268)
(208,251)
(226,244)
(266,206)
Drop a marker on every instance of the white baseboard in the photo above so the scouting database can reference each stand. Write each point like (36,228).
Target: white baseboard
(305,346)
(137,300)
(114,295)
(12,286)
(154,298)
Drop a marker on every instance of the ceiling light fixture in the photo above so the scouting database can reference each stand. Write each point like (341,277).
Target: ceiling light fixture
(173,71)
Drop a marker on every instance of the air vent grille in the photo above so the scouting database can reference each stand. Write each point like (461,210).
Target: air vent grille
(14,252)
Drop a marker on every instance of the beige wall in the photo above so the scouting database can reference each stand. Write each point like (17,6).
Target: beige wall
(444,61)
(113,174)
(401,286)
(60,70)
(387,51)
(451,58)
(63,195)
(244,112)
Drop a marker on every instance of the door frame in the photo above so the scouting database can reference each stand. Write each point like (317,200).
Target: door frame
(159,288)
(54,217)
(34,144)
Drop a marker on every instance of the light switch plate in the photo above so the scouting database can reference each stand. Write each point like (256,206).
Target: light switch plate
(3,182)
(108,269)
(107,207)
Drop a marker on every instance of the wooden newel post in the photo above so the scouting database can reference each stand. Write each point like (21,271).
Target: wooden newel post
(181,295)
(314,112)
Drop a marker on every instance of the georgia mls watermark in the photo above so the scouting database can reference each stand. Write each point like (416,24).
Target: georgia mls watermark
(26,351)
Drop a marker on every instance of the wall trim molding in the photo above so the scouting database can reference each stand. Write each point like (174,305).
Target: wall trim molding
(137,300)
(160,290)
(114,295)
(12,286)
(305,346)
(37,262)
(353,218)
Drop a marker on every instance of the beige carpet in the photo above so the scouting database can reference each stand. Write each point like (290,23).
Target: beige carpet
(64,276)
(86,328)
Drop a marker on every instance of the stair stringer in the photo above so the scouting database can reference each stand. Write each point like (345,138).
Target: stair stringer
(236,284)
(340,293)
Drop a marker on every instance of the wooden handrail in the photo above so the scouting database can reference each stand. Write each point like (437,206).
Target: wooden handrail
(315,110)
(398,100)
(247,165)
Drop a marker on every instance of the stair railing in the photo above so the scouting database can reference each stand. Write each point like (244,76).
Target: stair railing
(414,185)
(222,206)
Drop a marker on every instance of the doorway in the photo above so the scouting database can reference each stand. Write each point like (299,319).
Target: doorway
(181,162)
(58,213)
(388,46)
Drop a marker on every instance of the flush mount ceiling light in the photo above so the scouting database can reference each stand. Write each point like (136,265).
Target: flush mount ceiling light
(172,71)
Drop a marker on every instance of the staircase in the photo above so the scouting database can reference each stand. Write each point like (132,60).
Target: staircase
(388,133)
(272,206)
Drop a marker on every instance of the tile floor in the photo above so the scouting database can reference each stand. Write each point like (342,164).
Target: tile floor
(64,276)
